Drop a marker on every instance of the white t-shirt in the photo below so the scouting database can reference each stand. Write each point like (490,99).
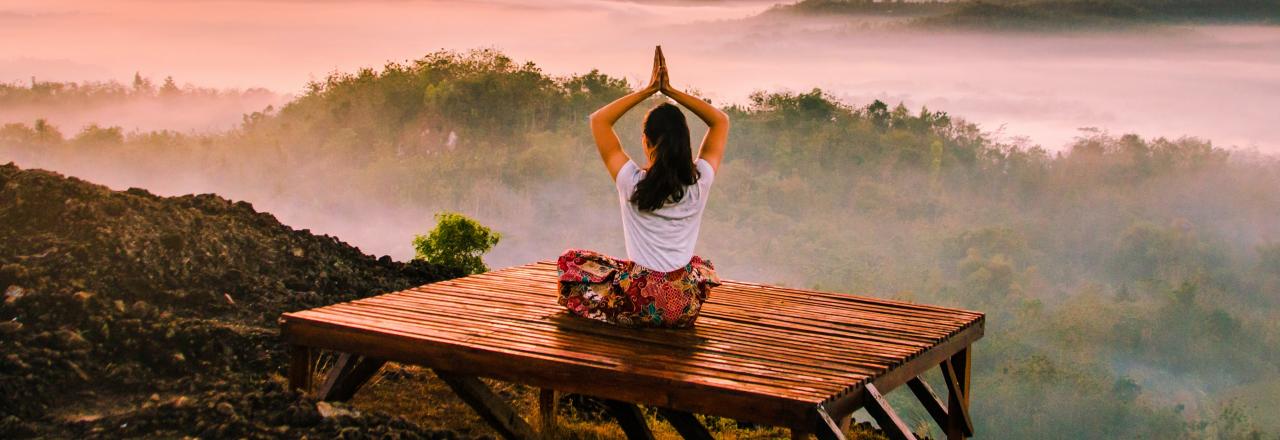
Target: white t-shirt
(663,239)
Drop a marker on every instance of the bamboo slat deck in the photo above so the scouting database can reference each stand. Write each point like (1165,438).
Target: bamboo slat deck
(760,353)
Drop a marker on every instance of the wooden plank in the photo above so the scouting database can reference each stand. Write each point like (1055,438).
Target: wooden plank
(688,425)
(341,367)
(547,407)
(489,406)
(487,297)
(300,368)
(739,296)
(548,372)
(955,371)
(776,318)
(544,332)
(880,317)
(710,329)
(750,356)
(929,400)
(886,417)
(898,319)
(630,418)
(347,375)
(542,302)
(665,366)
(775,289)
(856,396)
(827,428)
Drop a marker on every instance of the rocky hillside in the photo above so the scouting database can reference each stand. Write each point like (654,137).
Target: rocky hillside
(129,314)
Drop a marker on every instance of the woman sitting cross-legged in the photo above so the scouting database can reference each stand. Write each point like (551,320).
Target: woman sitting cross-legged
(661,284)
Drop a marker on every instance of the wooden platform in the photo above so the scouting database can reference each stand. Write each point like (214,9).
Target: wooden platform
(798,358)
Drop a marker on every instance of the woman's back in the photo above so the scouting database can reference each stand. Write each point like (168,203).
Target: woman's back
(663,239)
(662,284)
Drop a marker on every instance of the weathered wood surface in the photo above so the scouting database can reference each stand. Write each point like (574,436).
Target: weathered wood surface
(762,353)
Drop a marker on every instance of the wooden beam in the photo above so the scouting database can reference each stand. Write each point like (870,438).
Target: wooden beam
(827,428)
(694,397)
(930,400)
(888,420)
(300,361)
(896,376)
(630,419)
(347,375)
(547,407)
(341,367)
(956,373)
(688,425)
(489,406)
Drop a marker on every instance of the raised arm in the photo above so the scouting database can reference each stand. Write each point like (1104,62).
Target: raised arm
(713,144)
(602,121)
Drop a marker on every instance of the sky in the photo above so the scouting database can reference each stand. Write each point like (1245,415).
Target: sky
(1219,83)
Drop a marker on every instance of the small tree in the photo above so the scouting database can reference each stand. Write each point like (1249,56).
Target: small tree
(456,242)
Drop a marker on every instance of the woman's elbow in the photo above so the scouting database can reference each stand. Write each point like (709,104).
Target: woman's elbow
(595,119)
(721,120)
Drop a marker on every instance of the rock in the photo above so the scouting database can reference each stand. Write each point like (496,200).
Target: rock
(330,410)
(79,372)
(73,339)
(10,327)
(13,293)
(225,409)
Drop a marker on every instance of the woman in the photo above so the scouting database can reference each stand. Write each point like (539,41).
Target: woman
(662,284)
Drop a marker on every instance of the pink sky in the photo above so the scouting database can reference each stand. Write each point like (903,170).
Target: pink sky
(1221,83)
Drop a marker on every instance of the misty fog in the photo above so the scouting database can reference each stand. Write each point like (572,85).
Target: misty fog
(1216,82)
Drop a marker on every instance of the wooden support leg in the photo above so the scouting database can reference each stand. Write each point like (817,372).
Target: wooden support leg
(889,421)
(689,427)
(346,377)
(956,373)
(300,362)
(931,403)
(827,428)
(491,408)
(547,410)
(630,418)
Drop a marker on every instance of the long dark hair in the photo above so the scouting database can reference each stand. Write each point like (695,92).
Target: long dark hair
(672,169)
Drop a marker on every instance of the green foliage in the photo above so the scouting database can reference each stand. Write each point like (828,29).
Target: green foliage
(95,135)
(88,93)
(40,133)
(456,242)
(482,97)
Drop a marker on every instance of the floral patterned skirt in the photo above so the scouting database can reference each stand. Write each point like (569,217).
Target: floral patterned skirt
(596,286)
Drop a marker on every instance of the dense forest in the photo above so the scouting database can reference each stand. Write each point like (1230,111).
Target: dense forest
(1042,15)
(1129,282)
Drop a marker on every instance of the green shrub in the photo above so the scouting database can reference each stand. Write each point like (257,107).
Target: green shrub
(456,242)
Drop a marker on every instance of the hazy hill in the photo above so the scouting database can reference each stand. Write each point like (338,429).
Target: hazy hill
(1042,15)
